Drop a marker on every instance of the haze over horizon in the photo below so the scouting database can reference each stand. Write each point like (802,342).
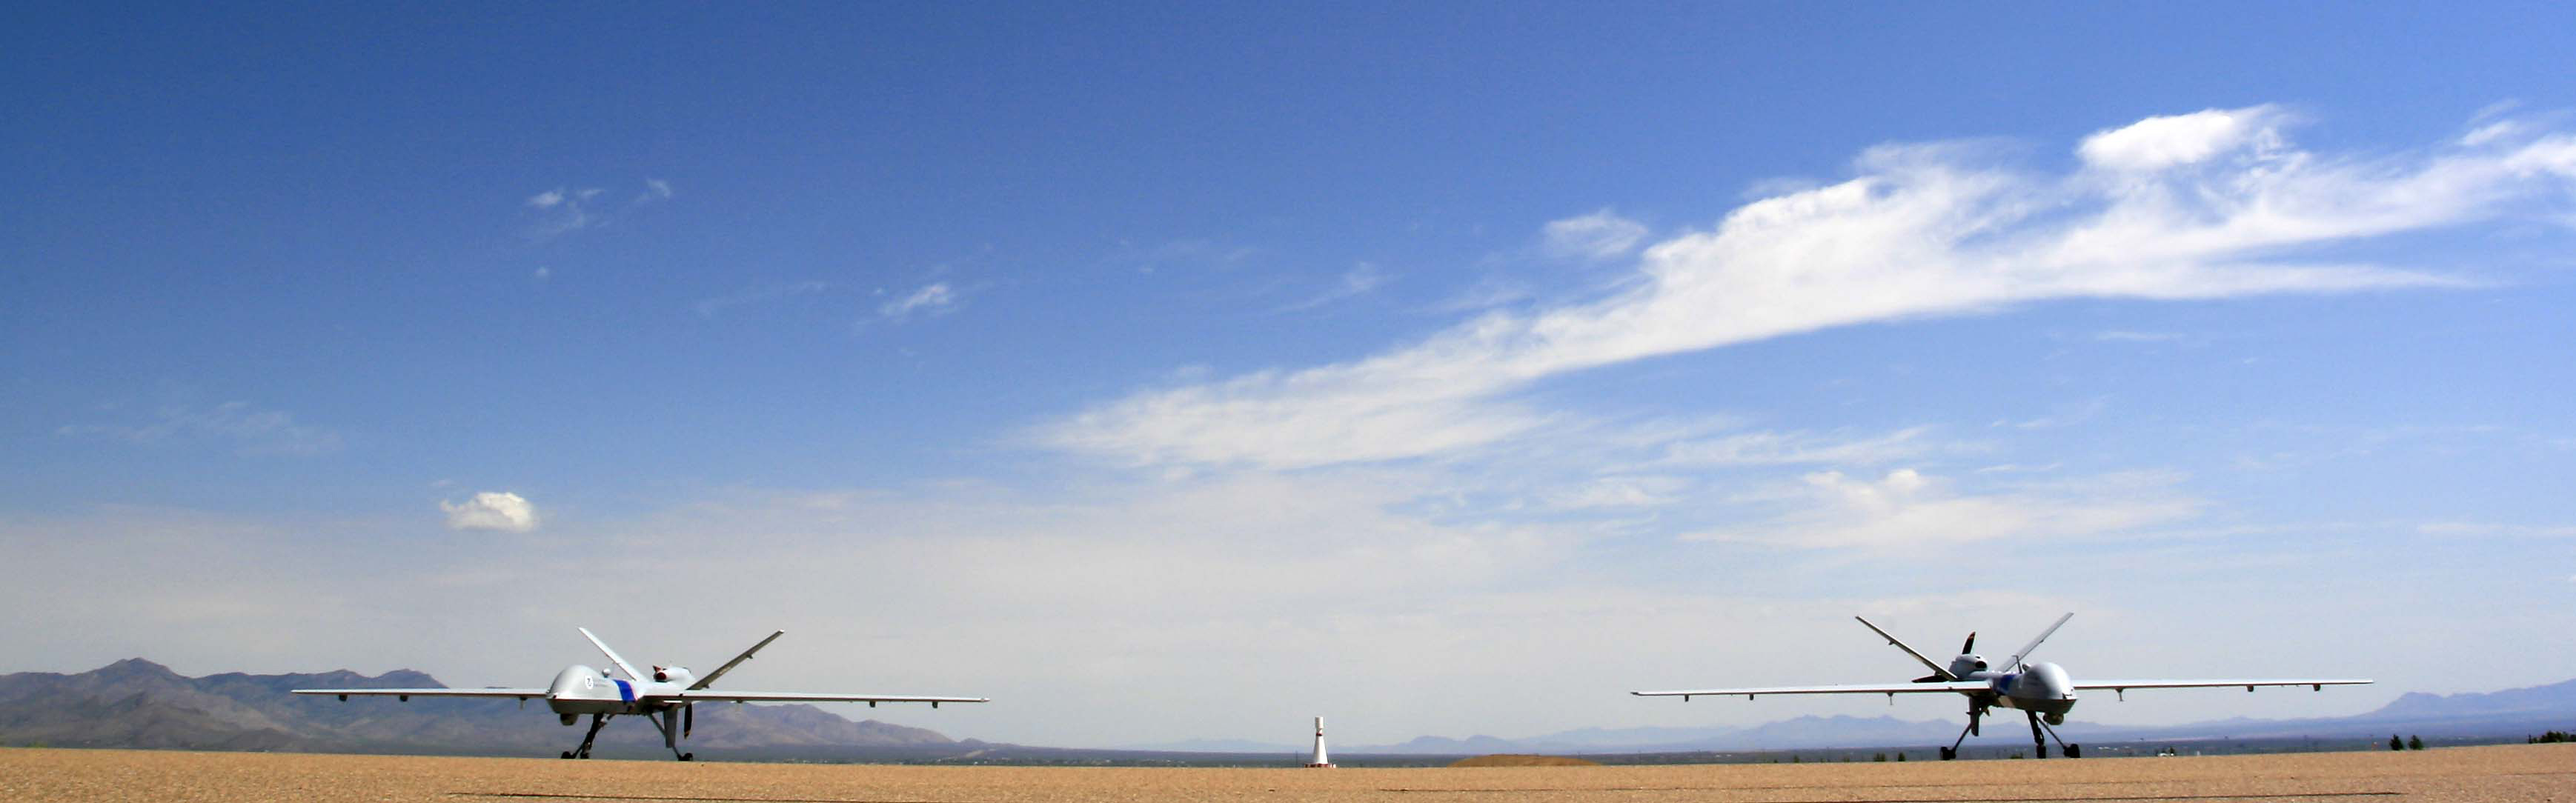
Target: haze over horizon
(1170,372)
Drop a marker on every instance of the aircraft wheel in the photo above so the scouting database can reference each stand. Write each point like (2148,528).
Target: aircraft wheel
(688,756)
(2074,751)
(567,754)
(1948,753)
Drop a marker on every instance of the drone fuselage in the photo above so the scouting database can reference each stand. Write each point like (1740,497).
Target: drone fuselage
(2041,688)
(581,689)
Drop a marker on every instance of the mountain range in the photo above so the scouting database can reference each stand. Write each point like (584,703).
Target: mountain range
(2504,714)
(138,703)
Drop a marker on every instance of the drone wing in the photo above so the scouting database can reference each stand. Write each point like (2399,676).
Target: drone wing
(407,694)
(2217,683)
(1861,688)
(715,696)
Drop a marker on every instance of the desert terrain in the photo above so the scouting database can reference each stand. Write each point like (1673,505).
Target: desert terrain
(2500,773)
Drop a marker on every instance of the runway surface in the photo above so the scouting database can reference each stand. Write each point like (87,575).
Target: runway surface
(2468,774)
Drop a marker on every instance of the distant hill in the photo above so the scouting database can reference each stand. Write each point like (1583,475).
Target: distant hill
(138,703)
(1522,760)
(1220,746)
(2508,713)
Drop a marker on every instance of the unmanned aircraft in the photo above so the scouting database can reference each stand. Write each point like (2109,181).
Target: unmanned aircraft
(668,697)
(2041,690)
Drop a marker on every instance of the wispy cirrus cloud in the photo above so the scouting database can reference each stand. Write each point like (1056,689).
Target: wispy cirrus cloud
(1360,280)
(1798,448)
(758,294)
(935,298)
(1601,235)
(250,429)
(2213,204)
(564,210)
(1907,507)
(2496,530)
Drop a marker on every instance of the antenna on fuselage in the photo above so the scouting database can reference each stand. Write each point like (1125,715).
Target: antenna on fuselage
(1939,673)
(2024,652)
(621,663)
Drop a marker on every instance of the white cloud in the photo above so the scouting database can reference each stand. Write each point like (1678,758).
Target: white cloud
(2491,132)
(2157,143)
(1358,281)
(2064,416)
(253,431)
(1924,231)
(932,299)
(562,211)
(1598,236)
(491,510)
(2124,336)
(2495,530)
(1793,448)
(1908,508)
(1619,492)
(1185,255)
(1308,585)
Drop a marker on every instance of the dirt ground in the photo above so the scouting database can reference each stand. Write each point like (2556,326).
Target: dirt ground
(2502,773)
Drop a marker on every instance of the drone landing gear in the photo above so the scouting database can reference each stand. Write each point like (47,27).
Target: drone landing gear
(596,720)
(1951,752)
(2040,744)
(673,725)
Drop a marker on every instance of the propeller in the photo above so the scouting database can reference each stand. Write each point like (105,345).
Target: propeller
(688,718)
(1971,646)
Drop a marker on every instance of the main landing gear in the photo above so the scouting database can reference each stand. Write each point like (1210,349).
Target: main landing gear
(596,720)
(672,726)
(2039,743)
(1951,752)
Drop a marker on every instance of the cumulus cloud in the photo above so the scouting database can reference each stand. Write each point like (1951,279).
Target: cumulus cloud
(1925,230)
(1597,236)
(1908,507)
(491,510)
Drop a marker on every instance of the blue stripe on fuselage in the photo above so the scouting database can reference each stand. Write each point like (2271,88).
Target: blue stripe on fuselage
(625,691)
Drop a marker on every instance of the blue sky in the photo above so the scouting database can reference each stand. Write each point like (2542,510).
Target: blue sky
(1170,372)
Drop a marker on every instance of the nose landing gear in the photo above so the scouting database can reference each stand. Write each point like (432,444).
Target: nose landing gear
(2039,745)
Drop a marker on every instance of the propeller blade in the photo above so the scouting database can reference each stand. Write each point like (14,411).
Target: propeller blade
(1971,646)
(688,719)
